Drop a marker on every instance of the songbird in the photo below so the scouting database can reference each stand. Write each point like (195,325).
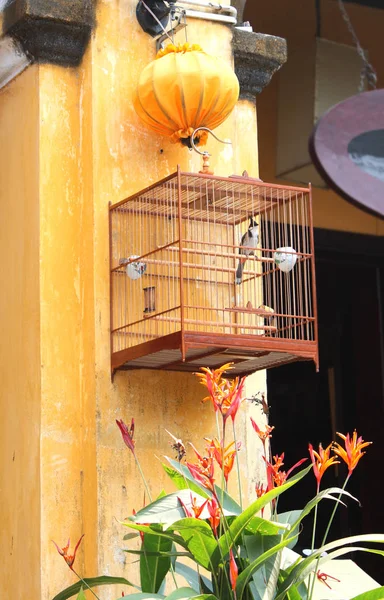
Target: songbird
(250,240)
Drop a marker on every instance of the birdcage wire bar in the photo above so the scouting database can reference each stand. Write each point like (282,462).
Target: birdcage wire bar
(174,252)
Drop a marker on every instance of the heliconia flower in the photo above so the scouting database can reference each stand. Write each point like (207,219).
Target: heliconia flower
(229,455)
(69,558)
(276,477)
(260,491)
(127,433)
(226,395)
(211,379)
(230,404)
(196,510)
(233,570)
(263,435)
(178,447)
(214,512)
(321,460)
(200,475)
(353,449)
(204,471)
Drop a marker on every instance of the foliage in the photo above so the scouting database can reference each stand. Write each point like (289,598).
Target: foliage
(237,553)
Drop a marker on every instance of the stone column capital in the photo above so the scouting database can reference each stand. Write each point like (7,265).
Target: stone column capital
(257,57)
(53,31)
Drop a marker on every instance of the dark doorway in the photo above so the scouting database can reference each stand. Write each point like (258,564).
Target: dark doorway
(346,394)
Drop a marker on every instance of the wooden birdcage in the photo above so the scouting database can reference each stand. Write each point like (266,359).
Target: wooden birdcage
(175,251)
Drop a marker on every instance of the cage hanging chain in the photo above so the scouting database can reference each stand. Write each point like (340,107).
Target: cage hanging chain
(367,72)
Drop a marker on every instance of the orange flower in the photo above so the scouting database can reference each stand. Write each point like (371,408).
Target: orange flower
(321,460)
(229,455)
(212,379)
(69,558)
(260,491)
(353,449)
(225,395)
(196,510)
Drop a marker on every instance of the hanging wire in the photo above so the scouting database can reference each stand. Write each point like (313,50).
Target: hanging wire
(368,73)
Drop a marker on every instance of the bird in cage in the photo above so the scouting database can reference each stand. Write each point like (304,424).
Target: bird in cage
(248,244)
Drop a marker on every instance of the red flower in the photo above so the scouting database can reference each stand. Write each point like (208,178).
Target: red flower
(321,460)
(127,433)
(263,435)
(214,512)
(233,570)
(69,558)
(204,471)
(276,477)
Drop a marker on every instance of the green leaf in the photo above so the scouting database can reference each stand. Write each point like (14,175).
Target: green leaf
(91,582)
(324,494)
(200,541)
(246,575)
(304,567)
(183,592)
(144,596)
(256,545)
(239,524)
(130,536)
(193,578)
(151,529)
(154,566)
(377,594)
(167,509)
(81,595)
(180,481)
(263,526)
(291,518)
(205,597)
(230,506)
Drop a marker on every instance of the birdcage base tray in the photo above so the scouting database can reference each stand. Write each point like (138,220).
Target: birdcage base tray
(249,353)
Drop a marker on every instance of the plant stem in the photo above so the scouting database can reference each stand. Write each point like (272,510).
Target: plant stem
(237,466)
(325,537)
(85,583)
(142,477)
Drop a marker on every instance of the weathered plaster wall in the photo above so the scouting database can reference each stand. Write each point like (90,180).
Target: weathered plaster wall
(20,339)
(295,21)
(68,437)
(73,144)
(128,157)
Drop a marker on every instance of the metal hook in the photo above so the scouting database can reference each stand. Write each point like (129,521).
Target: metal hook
(205,153)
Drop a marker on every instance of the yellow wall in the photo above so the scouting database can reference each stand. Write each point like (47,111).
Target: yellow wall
(295,21)
(20,339)
(72,145)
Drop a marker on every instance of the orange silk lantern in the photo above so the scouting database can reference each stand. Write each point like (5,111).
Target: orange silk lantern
(183,89)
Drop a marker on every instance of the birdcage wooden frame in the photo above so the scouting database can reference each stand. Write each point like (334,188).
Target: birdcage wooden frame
(174,247)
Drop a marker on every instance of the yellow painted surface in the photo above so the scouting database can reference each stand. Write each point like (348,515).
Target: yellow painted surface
(74,137)
(295,21)
(20,340)
(68,421)
(127,158)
